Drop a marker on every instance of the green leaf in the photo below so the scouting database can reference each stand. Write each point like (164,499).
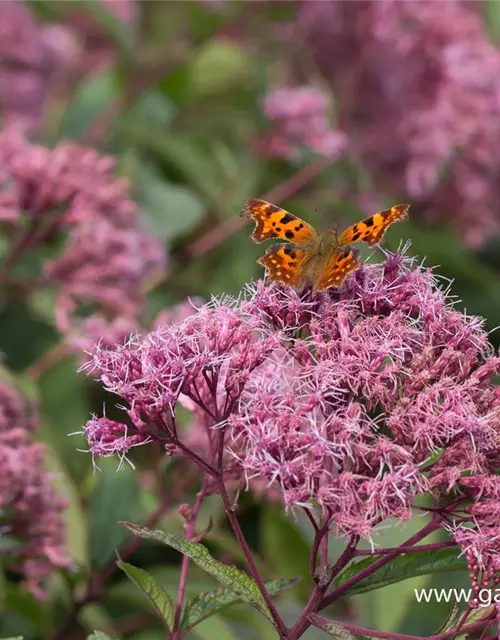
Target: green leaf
(170,209)
(17,319)
(7,543)
(28,612)
(64,410)
(406,565)
(158,597)
(206,604)
(452,619)
(182,154)
(14,638)
(116,496)
(220,65)
(98,635)
(229,576)
(92,96)
(214,628)
(491,11)
(285,548)
(334,629)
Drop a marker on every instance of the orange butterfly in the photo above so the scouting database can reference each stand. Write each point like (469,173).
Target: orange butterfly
(321,259)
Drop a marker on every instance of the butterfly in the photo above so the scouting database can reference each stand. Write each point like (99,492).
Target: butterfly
(321,259)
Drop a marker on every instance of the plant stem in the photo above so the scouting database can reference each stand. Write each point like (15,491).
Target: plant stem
(228,508)
(407,549)
(315,600)
(431,526)
(318,537)
(322,623)
(190,529)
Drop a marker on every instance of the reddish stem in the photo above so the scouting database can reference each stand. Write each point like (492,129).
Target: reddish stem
(315,600)
(335,594)
(319,535)
(407,549)
(254,572)
(190,529)
(322,623)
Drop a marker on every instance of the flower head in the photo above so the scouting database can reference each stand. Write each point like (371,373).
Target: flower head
(355,401)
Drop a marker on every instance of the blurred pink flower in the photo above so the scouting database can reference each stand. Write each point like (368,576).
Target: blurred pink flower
(82,43)
(27,67)
(71,191)
(30,509)
(297,121)
(417,85)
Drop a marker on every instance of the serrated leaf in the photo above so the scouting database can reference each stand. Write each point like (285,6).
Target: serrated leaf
(206,604)
(334,629)
(155,593)
(98,635)
(406,565)
(229,576)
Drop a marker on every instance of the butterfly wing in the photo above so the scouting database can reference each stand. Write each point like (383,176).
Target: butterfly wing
(273,222)
(371,230)
(285,263)
(336,268)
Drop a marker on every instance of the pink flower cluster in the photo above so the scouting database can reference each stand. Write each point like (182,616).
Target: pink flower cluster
(205,359)
(27,66)
(298,120)
(30,509)
(71,191)
(352,415)
(418,88)
(357,401)
(39,59)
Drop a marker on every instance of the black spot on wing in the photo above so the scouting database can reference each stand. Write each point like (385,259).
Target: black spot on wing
(289,234)
(287,218)
(369,222)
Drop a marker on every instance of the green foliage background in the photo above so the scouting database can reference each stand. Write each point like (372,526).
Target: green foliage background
(186,100)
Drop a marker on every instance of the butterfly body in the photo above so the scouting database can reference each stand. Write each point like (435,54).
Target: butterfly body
(321,259)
